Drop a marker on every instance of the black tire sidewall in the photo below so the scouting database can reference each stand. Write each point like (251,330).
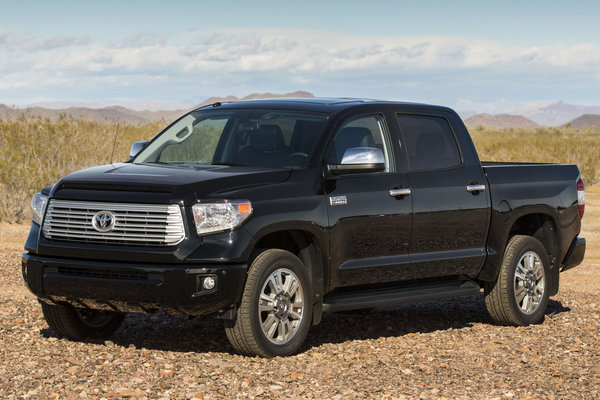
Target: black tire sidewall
(266,263)
(518,246)
(65,321)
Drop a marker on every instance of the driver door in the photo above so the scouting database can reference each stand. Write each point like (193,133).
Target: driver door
(370,225)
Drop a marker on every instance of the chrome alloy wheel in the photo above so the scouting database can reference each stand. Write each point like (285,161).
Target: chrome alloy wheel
(529,282)
(281,306)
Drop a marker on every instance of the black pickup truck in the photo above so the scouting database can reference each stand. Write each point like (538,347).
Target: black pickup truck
(266,214)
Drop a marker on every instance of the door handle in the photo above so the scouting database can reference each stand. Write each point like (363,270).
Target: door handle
(475,188)
(400,192)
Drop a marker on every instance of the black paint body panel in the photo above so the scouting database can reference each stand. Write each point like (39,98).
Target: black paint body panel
(439,231)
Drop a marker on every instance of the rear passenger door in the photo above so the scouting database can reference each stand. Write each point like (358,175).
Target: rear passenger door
(449,196)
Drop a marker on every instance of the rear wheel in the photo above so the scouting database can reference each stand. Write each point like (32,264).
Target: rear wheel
(77,324)
(275,313)
(520,294)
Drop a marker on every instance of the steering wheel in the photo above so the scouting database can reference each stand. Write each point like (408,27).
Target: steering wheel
(298,154)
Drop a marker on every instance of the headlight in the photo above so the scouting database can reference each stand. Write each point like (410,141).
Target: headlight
(215,217)
(38,205)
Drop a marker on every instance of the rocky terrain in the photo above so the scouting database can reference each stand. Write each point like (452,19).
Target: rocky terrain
(434,350)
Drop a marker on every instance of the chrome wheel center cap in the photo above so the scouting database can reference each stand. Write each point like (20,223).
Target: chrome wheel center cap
(282,306)
(529,283)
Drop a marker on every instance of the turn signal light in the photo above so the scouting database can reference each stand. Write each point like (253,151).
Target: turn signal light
(244,208)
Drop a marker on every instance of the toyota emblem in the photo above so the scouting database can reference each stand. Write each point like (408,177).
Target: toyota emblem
(103,221)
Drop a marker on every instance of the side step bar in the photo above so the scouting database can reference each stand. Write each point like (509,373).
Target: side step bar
(395,296)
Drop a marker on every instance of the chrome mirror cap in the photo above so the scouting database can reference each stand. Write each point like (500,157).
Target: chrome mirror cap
(136,148)
(363,155)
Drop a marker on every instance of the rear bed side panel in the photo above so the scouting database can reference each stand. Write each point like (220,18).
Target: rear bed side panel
(523,189)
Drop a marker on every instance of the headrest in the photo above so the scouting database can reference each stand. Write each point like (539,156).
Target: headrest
(352,137)
(355,135)
(267,138)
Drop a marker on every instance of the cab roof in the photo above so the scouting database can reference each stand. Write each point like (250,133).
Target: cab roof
(320,104)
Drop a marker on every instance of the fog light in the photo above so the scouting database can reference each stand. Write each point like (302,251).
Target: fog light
(209,283)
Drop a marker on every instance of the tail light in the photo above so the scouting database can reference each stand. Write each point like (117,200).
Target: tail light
(580,197)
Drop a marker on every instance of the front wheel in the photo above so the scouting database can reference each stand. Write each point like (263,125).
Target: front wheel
(520,295)
(77,324)
(275,313)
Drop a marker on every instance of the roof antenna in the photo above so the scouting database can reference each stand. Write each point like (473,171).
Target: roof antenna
(114,145)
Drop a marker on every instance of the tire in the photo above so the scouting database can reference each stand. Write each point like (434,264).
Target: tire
(275,313)
(519,296)
(74,324)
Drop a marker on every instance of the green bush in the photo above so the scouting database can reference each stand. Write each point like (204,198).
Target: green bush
(36,152)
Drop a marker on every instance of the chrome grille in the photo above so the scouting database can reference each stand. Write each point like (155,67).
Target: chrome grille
(135,224)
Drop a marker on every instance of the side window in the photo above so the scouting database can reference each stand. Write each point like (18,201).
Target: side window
(429,141)
(365,131)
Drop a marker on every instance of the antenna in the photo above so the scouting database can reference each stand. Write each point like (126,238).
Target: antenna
(114,144)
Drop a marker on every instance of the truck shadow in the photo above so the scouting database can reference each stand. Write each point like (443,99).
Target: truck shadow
(182,334)
(425,317)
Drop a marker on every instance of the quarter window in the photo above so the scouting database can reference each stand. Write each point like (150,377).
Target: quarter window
(429,142)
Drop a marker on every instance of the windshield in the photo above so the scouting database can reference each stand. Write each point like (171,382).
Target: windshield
(266,138)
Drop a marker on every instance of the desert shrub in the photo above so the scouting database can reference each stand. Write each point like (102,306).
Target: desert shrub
(36,152)
(543,144)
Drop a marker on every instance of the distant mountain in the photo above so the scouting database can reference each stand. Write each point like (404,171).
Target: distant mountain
(555,114)
(500,121)
(530,116)
(464,114)
(256,96)
(126,115)
(113,113)
(584,121)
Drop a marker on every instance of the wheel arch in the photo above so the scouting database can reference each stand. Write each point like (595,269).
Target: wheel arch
(543,228)
(538,224)
(306,246)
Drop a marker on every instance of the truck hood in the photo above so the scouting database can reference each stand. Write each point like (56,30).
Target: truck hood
(204,180)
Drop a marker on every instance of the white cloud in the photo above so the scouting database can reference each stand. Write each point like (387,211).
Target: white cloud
(313,59)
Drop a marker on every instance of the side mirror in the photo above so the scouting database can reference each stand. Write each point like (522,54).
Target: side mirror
(359,160)
(136,148)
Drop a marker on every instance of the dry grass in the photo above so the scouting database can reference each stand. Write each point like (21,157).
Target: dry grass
(36,152)
(586,278)
(551,145)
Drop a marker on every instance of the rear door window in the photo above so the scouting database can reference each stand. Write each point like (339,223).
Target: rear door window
(429,141)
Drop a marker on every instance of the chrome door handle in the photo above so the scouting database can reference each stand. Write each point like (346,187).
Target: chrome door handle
(475,188)
(400,192)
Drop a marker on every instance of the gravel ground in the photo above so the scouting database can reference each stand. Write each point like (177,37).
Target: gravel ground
(434,350)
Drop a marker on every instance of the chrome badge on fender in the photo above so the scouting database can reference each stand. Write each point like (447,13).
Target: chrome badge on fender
(338,201)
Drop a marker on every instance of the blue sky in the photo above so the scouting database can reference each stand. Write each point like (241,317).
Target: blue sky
(477,55)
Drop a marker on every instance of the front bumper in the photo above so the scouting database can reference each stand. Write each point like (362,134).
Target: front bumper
(132,287)
(575,254)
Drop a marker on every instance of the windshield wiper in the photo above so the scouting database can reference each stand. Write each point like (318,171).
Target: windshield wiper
(228,163)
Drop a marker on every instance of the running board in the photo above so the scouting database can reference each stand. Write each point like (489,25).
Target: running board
(395,296)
